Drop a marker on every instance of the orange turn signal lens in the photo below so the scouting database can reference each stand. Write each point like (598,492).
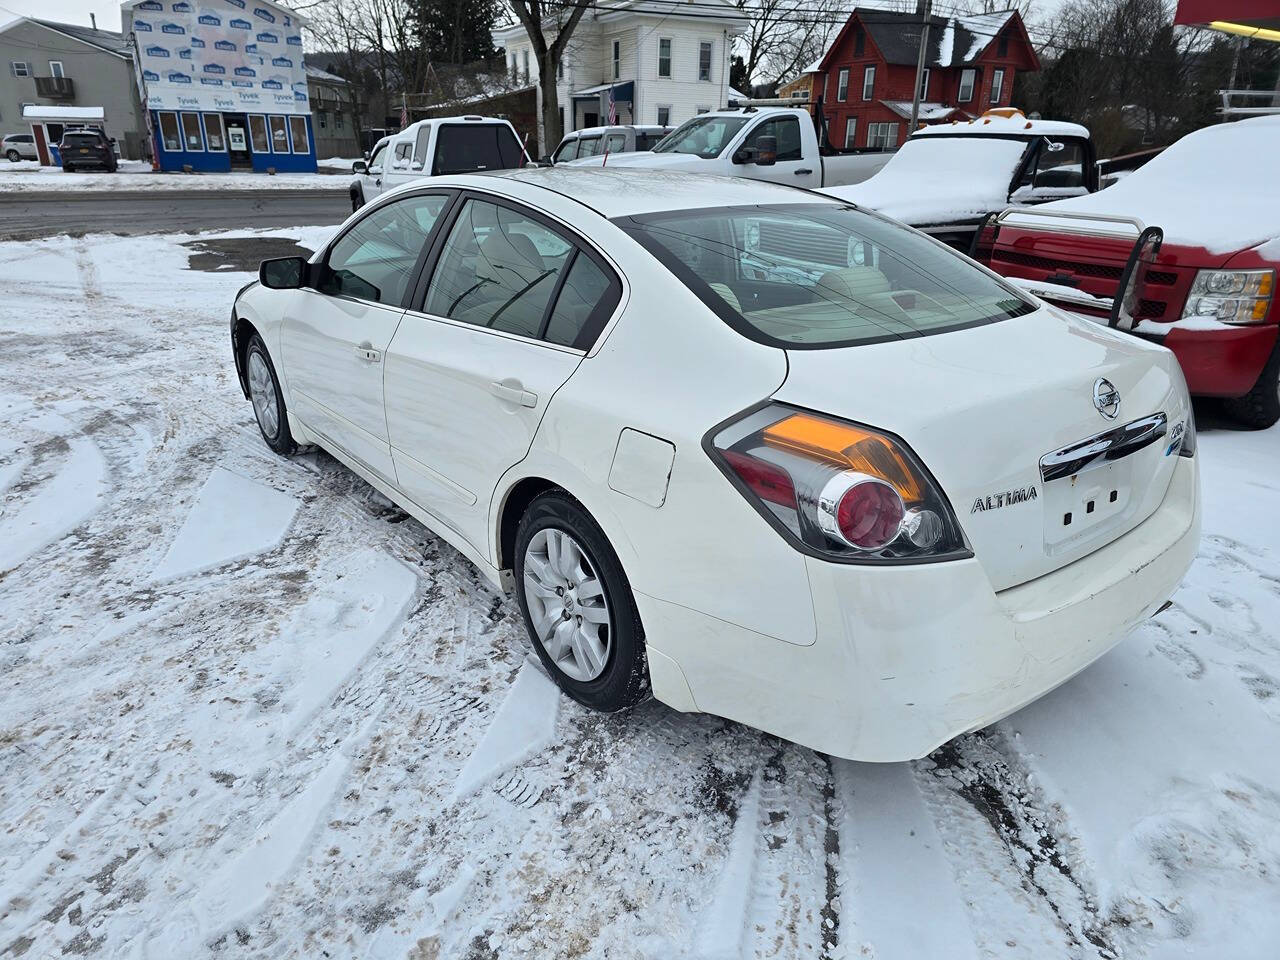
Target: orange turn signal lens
(847,446)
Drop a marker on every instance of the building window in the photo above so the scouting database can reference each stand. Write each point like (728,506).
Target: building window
(859,43)
(169,135)
(258,133)
(192,138)
(322,120)
(298,132)
(704,61)
(524,61)
(997,85)
(664,57)
(213,131)
(868,83)
(515,76)
(842,86)
(19,68)
(339,120)
(924,84)
(882,136)
(279,134)
(617,59)
(55,69)
(851,132)
(664,116)
(560,69)
(799,94)
(966,86)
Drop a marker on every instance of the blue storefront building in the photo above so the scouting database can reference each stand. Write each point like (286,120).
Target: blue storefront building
(224,84)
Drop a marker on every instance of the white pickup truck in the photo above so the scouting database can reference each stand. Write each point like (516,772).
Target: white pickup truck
(430,148)
(947,177)
(778,144)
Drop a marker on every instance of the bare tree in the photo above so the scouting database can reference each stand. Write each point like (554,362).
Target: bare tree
(550,25)
(779,44)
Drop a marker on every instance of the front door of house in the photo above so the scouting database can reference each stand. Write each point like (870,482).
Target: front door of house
(238,139)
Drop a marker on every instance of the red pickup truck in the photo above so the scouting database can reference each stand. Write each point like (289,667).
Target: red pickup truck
(1184,251)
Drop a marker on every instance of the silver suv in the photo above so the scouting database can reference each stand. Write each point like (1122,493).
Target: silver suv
(19,146)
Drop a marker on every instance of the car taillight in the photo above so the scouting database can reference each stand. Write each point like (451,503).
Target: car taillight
(838,489)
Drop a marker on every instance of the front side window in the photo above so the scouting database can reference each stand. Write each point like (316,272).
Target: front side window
(258,133)
(298,134)
(466,148)
(192,139)
(568,150)
(279,134)
(499,269)
(378,156)
(868,83)
(213,131)
(966,86)
(589,146)
(842,86)
(664,57)
(375,259)
(822,275)
(169,134)
(704,137)
(787,132)
(997,85)
(704,61)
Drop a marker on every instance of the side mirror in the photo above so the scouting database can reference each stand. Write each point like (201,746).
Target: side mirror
(360,167)
(766,151)
(283,273)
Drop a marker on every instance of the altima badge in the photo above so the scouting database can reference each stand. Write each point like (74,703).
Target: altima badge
(1106,398)
(1005,499)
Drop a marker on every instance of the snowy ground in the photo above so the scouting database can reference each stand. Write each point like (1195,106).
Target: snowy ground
(249,709)
(138,175)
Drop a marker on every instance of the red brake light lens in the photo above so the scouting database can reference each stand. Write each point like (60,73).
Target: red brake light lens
(841,489)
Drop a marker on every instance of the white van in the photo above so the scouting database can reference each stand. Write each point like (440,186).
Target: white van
(430,148)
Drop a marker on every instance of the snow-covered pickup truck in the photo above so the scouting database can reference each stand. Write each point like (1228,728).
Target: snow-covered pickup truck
(778,144)
(429,148)
(1183,251)
(946,178)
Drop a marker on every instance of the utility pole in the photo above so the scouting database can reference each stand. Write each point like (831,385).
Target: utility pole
(924,8)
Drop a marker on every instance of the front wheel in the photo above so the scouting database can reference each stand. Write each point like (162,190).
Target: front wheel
(13,155)
(1260,407)
(577,605)
(357,199)
(268,401)
(68,168)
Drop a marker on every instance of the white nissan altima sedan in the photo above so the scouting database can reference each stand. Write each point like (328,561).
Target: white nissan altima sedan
(768,455)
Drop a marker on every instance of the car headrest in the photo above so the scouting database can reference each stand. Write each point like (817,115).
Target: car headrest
(853,283)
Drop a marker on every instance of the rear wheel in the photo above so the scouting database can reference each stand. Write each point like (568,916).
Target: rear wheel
(1260,407)
(13,155)
(268,401)
(577,605)
(68,168)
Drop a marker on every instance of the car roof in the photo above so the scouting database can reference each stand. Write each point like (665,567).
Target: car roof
(626,193)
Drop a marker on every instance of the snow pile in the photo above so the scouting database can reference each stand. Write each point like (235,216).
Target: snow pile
(1215,188)
(940,180)
(138,175)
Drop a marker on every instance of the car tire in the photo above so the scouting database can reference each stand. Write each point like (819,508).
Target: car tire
(68,168)
(13,155)
(592,644)
(357,199)
(268,401)
(1260,407)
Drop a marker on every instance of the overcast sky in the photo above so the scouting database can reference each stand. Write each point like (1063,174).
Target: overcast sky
(108,11)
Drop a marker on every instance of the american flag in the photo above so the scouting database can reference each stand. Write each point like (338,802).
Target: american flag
(613,109)
(404,116)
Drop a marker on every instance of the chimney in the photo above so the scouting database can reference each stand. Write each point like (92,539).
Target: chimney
(93,20)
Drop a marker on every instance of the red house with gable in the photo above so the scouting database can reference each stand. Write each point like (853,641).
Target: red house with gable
(867,76)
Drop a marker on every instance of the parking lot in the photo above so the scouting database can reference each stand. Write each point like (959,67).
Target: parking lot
(252,709)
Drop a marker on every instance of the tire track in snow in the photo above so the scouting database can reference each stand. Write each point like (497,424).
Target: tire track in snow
(69,498)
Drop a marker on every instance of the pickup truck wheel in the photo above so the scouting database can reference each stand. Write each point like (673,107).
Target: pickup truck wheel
(1260,407)
(13,155)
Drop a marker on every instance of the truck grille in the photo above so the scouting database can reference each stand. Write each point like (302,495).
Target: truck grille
(1050,263)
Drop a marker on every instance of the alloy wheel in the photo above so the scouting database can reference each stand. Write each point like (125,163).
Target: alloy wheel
(567,604)
(262,391)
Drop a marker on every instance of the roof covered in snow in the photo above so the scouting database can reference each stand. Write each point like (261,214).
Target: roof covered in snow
(928,111)
(39,111)
(953,41)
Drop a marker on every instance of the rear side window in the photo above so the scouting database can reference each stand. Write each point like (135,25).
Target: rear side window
(616,142)
(585,290)
(375,259)
(403,152)
(465,148)
(588,146)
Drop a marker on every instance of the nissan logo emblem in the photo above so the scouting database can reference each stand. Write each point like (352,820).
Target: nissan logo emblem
(1106,398)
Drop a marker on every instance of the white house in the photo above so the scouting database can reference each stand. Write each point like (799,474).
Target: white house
(665,61)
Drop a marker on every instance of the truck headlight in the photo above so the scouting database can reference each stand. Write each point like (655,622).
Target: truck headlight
(1231,296)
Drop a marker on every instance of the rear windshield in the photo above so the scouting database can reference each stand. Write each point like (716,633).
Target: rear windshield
(466,148)
(820,275)
(81,140)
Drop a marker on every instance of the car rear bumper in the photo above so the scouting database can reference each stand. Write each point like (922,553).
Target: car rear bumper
(908,657)
(1221,363)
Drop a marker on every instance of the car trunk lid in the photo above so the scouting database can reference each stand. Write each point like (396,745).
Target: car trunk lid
(983,407)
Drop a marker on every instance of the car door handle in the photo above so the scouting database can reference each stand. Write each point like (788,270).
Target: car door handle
(513,394)
(365,351)
(803,173)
